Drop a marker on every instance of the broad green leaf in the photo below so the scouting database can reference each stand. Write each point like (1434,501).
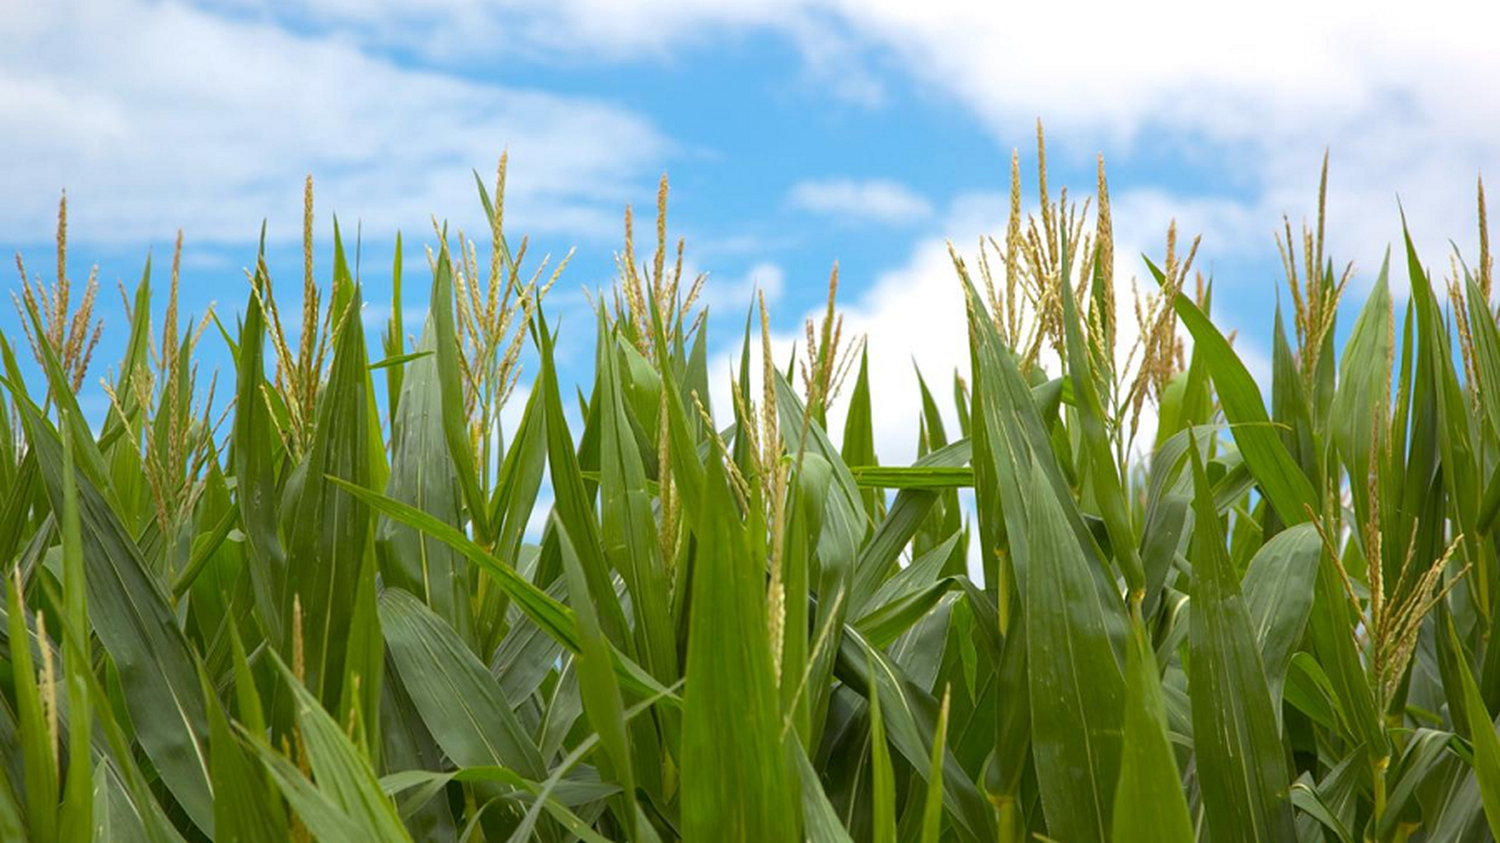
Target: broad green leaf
(427,784)
(156,663)
(913,477)
(1278,590)
(458,699)
(1109,494)
(1482,736)
(423,476)
(601,691)
(1364,388)
(328,532)
(12,823)
(910,715)
(1075,683)
(629,533)
(1460,468)
(735,782)
(407,746)
(1275,470)
(859,435)
(1149,804)
(455,425)
(255,458)
(900,525)
(244,810)
(822,822)
(346,803)
(1241,766)
(554,617)
(574,503)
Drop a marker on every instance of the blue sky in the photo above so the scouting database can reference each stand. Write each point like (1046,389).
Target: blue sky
(795,133)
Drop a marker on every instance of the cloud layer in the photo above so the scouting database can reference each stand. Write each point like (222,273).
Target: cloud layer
(220,106)
(158,115)
(853,201)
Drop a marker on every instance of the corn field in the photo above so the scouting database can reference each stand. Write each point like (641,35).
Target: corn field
(1119,596)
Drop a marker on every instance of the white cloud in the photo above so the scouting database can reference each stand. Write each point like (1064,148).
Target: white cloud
(220,107)
(156,115)
(849,200)
(724,296)
(1246,95)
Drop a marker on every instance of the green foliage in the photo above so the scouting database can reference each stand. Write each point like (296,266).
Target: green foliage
(1171,610)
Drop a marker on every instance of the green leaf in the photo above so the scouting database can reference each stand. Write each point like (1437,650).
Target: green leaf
(346,803)
(422,475)
(1075,683)
(628,529)
(1149,804)
(1364,388)
(1241,766)
(1275,470)
(859,435)
(910,715)
(553,617)
(256,446)
(458,699)
(41,775)
(913,477)
(244,810)
(902,521)
(1109,493)
(601,692)
(1482,735)
(735,785)
(77,807)
(455,423)
(157,667)
(821,820)
(429,783)
(329,532)
(1278,590)
(882,778)
(932,809)
(574,502)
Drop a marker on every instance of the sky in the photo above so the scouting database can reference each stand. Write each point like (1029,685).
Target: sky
(795,133)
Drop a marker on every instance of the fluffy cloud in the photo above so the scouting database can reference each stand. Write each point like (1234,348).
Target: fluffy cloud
(221,105)
(156,115)
(732,295)
(207,115)
(1246,96)
(847,200)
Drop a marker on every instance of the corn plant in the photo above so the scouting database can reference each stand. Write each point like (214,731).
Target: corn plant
(1119,595)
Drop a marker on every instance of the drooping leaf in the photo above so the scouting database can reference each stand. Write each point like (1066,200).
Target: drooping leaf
(1275,470)
(156,664)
